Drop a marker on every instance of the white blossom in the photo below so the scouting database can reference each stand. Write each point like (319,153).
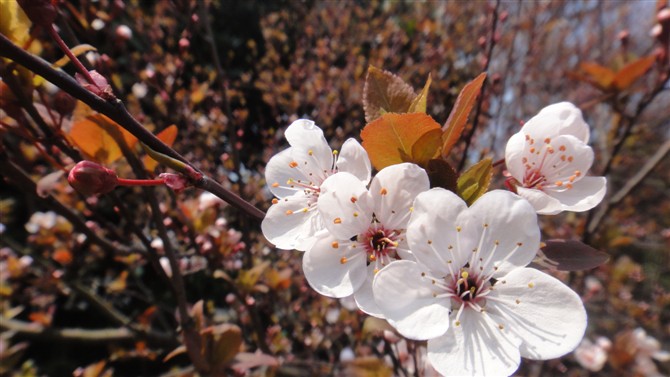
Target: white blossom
(295,175)
(366,231)
(468,291)
(549,159)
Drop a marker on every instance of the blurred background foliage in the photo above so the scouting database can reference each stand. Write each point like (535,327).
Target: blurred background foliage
(231,75)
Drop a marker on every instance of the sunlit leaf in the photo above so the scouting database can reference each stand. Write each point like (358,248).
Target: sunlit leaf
(14,24)
(474,182)
(119,284)
(458,118)
(384,93)
(633,71)
(597,74)
(396,138)
(279,279)
(568,255)
(441,174)
(96,136)
(175,352)
(76,50)
(167,136)
(375,326)
(370,366)
(420,102)
(247,279)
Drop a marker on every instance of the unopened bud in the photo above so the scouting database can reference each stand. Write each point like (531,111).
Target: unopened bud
(174,181)
(40,12)
(99,86)
(663,16)
(89,178)
(124,32)
(64,103)
(623,36)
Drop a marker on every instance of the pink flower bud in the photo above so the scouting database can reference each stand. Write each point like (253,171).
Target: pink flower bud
(174,181)
(124,32)
(89,178)
(99,86)
(40,12)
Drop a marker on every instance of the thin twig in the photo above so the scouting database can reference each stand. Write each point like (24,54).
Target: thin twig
(480,99)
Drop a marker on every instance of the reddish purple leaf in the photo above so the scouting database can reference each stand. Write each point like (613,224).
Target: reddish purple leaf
(568,255)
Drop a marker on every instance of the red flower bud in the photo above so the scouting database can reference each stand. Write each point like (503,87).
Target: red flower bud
(89,178)
(40,12)
(174,181)
(99,86)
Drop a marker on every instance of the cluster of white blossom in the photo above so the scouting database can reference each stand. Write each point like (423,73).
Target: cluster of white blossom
(434,268)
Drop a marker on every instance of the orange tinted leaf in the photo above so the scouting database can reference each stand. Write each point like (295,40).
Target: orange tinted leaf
(228,339)
(119,284)
(633,71)
(599,75)
(474,182)
(168,137)
(426,147)
(391,139)
(96,136)
(458,117)
(420,102)
(385,92)
(62,256)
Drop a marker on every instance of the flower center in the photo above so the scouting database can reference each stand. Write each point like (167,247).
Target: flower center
(547,167)
(380,244)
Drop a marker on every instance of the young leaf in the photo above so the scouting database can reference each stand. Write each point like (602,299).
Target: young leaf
(458,117)
(396,138)
(420,102)
(441,174)
(168,137)
(97,137)
(228,339)
(568,255)
(474,182)
(633,71)
(600,76)
(385,92)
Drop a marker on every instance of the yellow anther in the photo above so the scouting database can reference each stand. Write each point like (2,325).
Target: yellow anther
(458,228)
(343,260)
(335,152)
(501,327)
(355,214)
(465,274)
(430,242)
(570,158)
(486,225)
(304,210)
(517,301)
(572,178)
(292,164)
(578,173)
(457,323)
(532,150)
(559,183)
(275,201)
(496,242)
(383,191)
(568,186)
(372,257)
(561,148)
(337,220)
(547,140)
(276,184)
(354,199)
(310,152)
(375,271)
(335,244)
(289,212)
(531,285)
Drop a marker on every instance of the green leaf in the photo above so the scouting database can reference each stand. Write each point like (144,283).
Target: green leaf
(474,182)
(385,92)
(420,102)
(441,174)
(458,117)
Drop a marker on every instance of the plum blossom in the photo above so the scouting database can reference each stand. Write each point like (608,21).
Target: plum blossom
(366,231)
(295,175)
(548,160)
(468,291)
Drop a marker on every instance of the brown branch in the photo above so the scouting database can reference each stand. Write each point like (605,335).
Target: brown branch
(119,114)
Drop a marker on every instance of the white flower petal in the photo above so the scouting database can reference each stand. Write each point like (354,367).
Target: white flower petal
(585,194)
(505,225)
(547,316)
(288,226)
(279,171)
(432,229)
(570,157)
(328,273)
(474,348)
(345,205)
(394,189)
(354,159)
(405,297)
(514,153)
(562,118)
(364,296)
(541,201)
(306,135)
